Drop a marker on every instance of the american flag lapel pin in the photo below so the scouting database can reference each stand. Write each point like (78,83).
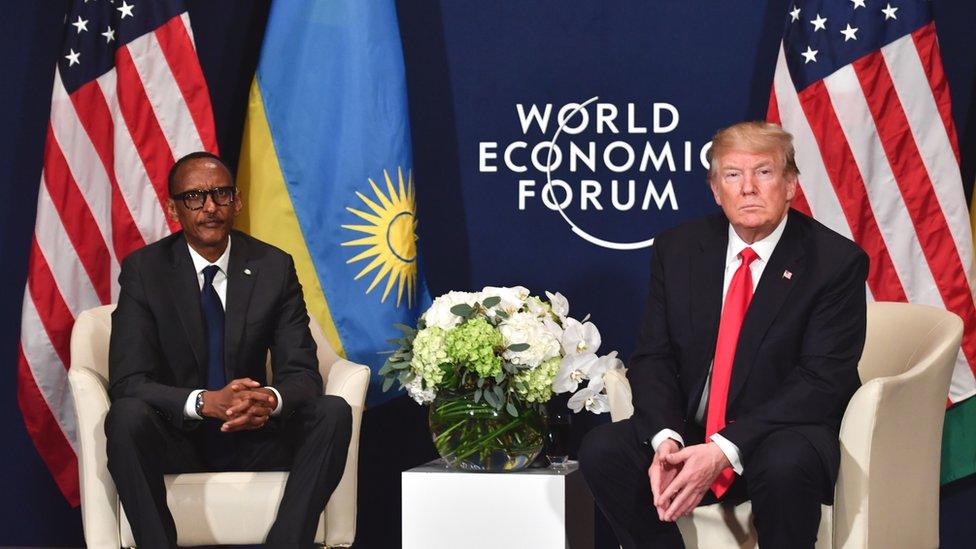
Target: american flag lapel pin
(787,275)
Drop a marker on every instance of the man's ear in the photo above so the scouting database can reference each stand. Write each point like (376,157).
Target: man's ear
(238,202)
(171,210)
(791,182)
(712,186)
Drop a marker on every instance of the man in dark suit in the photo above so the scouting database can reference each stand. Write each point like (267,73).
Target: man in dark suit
(746,360)
(198,312)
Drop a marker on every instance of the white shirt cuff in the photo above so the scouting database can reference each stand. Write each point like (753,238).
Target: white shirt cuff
(190,408)
(665,434)
(730,450)
(277,411)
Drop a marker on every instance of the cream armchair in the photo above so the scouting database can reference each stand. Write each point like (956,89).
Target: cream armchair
(887,493)
(209,508)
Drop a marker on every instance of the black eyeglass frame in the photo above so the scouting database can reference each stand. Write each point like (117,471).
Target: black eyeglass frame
(212,193)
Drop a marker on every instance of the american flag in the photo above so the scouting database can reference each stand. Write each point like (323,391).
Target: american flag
(129,98)
(860,85)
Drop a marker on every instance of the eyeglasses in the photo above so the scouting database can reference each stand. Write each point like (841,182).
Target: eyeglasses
(194,200)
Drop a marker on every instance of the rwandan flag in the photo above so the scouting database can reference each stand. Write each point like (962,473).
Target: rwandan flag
(327,173)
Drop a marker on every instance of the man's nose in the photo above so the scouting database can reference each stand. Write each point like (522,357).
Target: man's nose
(748,183)
(209,203)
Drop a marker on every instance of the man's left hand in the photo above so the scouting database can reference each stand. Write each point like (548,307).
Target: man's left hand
(699,464)
(251,410)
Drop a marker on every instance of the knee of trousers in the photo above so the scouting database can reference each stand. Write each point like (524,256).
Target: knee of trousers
(783,464)
(331,410)
(600,452)
(127,421)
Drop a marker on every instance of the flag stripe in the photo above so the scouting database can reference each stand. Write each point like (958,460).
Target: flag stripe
(52,445)
(52,311)
(799,201)
(137,190)
(52,383)
(77,219)
(164,95)
(95,118)
(912,87)
(177,47)
(143,126)
(813,173)
(844,177)
(916,189)
(927,46)
(69,274)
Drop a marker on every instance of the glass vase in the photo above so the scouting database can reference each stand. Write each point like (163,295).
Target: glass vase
(476,437)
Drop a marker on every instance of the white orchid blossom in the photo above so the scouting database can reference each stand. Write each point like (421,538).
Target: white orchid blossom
(580,339)
(560,305)
(591,397)
(572,371)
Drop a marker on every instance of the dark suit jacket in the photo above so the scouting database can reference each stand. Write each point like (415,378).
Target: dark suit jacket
(796,360)
(158,350)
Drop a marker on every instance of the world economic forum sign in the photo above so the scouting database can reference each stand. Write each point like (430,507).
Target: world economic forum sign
(563,149)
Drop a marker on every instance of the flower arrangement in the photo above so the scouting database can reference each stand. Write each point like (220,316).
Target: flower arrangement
(498,355)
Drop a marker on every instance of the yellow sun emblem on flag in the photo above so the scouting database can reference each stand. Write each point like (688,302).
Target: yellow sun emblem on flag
(391,237)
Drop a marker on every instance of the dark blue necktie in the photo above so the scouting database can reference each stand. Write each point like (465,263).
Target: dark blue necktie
(213,318)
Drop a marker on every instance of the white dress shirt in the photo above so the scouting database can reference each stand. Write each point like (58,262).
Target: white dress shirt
(764,250)
(220,285)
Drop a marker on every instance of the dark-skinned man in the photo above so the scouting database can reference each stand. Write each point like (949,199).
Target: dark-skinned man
(198,312)
(746,359)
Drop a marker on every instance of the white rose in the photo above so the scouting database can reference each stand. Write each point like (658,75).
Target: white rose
(512,299)
(439,314)
(527,328)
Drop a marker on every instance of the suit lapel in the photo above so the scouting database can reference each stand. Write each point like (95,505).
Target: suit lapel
(185,291)
(707,276)
(240,282)
(771,292)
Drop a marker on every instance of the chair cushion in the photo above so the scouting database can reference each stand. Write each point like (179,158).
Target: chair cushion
(721,526)
(222,508)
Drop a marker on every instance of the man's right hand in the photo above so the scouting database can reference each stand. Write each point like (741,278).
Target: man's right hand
(661,474)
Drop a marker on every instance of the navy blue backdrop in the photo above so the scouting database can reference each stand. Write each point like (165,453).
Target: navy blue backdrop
(470,65)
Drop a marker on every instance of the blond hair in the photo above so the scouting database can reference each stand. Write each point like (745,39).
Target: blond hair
(754,137)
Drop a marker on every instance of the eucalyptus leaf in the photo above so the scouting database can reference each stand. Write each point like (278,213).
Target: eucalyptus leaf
(407,330)
(462,309)
(399,365)
(480,382)
(386,368)
(477,396)
(498,393)
(491,301)
(511,409)
(501,314)
(492,400)
(518,347)
(499,377)
(387,383)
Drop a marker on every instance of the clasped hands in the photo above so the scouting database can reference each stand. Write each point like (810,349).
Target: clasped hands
(242,404)
(680,477)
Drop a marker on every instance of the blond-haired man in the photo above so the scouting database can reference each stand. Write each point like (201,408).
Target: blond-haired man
(746,359)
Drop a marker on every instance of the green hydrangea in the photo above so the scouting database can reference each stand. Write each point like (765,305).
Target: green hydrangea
(429,352)
(535,385)
(473,344)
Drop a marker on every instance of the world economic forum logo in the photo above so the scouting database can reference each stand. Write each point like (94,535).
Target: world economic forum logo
(597,159)
(391,237)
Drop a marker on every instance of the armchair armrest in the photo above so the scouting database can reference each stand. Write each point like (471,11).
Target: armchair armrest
(350,381)
(99,499)
(890,443)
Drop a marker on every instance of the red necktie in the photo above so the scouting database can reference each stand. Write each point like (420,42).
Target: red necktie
(733,312)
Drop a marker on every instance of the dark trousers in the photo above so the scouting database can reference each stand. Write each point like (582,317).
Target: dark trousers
(784,478)
(311,444)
